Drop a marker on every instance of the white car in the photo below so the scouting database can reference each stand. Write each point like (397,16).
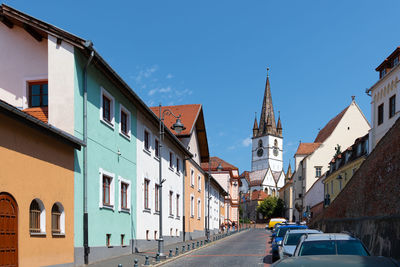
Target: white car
(291,239)
(330,244)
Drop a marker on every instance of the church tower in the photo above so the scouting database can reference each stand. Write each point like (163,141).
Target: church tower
(267,141)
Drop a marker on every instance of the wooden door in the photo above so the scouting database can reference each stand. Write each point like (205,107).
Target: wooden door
(8,231)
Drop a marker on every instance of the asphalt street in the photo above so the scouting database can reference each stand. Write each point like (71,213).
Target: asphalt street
(250,248)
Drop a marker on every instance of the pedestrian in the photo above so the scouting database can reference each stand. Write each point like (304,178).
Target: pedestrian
(233,226)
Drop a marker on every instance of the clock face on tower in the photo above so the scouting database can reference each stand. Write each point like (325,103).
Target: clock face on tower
(260,152)
(276,151)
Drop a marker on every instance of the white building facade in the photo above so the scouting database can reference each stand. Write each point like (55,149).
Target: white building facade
(172,156)
(385,98)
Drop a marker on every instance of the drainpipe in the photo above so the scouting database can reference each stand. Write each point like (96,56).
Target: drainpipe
(86,248)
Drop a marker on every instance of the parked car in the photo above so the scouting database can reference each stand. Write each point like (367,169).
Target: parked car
(291,239)
(336,260)
(274,221)
(330,244)
(279,235)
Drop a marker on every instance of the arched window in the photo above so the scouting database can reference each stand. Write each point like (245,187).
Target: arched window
(57,219)
(37,217)
(275,143)
(260,143)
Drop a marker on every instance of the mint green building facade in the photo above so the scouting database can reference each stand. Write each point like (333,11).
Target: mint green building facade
(111,229)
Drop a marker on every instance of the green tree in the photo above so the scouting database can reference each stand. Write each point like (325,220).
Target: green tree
(271,207)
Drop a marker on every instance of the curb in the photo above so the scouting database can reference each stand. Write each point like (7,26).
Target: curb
(194,250)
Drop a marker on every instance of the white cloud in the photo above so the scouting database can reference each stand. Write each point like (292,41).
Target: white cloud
(145,73)
(169,76)
(246,142)
(165,89)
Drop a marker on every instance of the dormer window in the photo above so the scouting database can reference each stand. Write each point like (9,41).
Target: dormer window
(38,94)
(395,61)
(382,73)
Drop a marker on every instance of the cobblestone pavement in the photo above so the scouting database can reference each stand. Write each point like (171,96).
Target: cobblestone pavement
(128,260)
(250,248)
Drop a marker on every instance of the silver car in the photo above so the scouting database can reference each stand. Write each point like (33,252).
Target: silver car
(330,244)
(291,239)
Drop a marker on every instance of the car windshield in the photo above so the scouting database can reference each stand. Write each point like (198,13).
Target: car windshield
(293,239)
(350,247)
(282,231)
(318,248)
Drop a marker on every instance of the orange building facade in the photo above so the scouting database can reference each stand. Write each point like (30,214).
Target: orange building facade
(194,201)
(36,191)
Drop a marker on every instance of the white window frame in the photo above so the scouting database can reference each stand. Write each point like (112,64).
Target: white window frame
(112,107)
(128,194)
(199,182)
(112,189)
(62,218)
(191,177)
(148,151)
(128,121)
(316,171)
(191,205)
(198,208)
(171,160)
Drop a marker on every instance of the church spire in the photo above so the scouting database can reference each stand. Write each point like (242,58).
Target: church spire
(255,127)
(289,173)
(267,112)
(279,126)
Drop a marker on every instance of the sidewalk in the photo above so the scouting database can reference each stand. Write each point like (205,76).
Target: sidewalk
(129,260)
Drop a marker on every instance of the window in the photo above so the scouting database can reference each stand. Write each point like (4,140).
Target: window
(395,61)
(146,193)
(198,209)
(146,140)
(37,217)
(125,194)
(170,202)
(125,121)
(156,193)
(177,205)
(392,106)
(107,108)
(192,206)
(170,232)
(260,143)
(108,240)
(57,219)
(177,164)
(157,148)
(122,240)
(191,177)
(318,171)
(106,190)
(38,94)
(380,114)
(199,183)
(171,157)
(155,235)
(147,235)
(382,73)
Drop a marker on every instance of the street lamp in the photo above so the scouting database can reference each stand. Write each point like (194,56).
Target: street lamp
(178,127)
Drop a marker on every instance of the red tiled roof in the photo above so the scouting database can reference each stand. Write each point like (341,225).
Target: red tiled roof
(246,176)
(41,113)
(329,127)
(215,161)
(258,195)
(307,148)
(189,114)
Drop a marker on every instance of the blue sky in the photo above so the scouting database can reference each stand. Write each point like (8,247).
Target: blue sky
(320,53)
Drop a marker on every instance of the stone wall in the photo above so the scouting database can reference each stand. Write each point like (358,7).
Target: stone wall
(369,204)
